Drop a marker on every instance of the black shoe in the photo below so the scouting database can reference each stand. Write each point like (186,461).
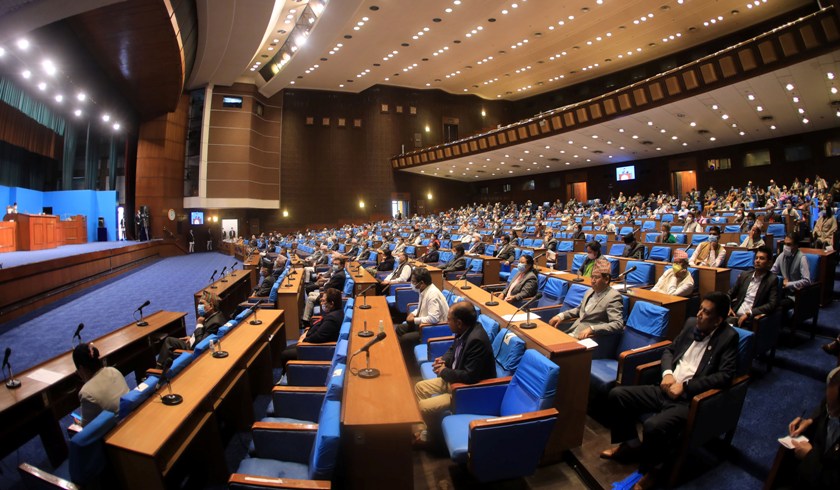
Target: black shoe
(832,348)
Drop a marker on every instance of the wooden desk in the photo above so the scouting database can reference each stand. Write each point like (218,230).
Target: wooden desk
(37,406)
(361,278)
(8,236)
(251,262)
(232,289)
(378,414)
(37,231)
(290,299)
(490,268)
(158,445)
(73,231)
(565,351)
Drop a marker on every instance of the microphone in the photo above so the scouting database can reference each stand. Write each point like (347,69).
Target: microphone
(369,372)
(361,293)
(254,308)
(536,267)
(528,324)
(11,382)
(233,267)
(213,278)
(223,274)
(141,322)
(628,271)
(78,335)
(170,398)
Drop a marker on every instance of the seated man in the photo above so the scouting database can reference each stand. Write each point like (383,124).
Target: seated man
(279,267)
(401,273)
(468,360)
(632,248)
(324,330)
(691,225)
(702,357)
(753,239)
(550,245)
(506,250)
(606,226)
(209,320)
(334,279)
(457,262)
(755,292)
(816,461)
(599,312)
(431,309)
(103,386)
(793,266)
(477,247)
(676,281)
(318,257)
(577,233)
(711,253)
(264,287)
(432,255)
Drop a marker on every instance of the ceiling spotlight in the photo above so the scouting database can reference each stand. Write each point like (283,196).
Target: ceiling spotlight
(106,117)
(81,96)
(116,126)
(26,74)
(789,87)
(49,67)
(78,113)
(42,86)
(3,53)
(59,98)
(23,44)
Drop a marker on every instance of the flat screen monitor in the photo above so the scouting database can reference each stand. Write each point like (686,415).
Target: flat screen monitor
(625,173)
(197,217)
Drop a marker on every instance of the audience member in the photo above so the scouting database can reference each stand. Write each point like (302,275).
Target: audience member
(632,248)
(457,262)
(332,279)
(431,309)
(593,253)
(710,253)
(524,283)
(793,267)
(103,386)
(755,292)
(600,311)
(324,329)
(677,280)
(208,322)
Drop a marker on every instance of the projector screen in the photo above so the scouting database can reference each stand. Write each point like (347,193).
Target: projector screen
(197,217)
(625,173)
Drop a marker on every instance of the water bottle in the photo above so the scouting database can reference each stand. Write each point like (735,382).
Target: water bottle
(381,326)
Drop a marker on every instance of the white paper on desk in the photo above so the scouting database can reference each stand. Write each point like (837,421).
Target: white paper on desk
(588,343)
(787,441)
(620,286)
(518,318)
(45,376)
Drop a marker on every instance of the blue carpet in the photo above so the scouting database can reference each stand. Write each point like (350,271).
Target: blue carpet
(14,259)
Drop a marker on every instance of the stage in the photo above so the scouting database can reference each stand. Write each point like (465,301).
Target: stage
(29,280)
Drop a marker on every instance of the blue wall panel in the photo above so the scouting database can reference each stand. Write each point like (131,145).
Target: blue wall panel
(91,204)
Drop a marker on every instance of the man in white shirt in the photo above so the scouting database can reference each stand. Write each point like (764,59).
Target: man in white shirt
(792,265)
(702,357)
(431,310)
(401,273)
(676,281)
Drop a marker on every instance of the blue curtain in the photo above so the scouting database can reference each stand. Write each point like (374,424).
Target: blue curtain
(14,96)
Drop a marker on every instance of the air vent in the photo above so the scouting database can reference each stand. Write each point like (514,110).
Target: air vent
(702,131)
(516,166)
(553,159)
(766,118)
(646,142)
(597,152)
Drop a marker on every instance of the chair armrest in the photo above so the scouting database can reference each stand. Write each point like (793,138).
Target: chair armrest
(482,398)
(437,346)
(548,413)
(265,482)
(646,373)
(34,477)
(182,351)
(630,360)
(715,412)
(154,372)
(409,306)
(298,402)
(315,352)
(284,441)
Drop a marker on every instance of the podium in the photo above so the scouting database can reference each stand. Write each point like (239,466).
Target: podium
(37,231)
(8,232)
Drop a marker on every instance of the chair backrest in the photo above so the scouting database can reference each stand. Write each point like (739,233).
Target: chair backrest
(577,261)
(661,253)
(508,350)
(813,266)
(574,296)
(335,381)
(349,284)
(533,386)
(679,236)
(601,238)
(616,249)
(490,326)
(648,225)
(649,319)
(741,259)
(777,230)
(179,364)
(272,295)
(732,229)
(625,230)
(697,238)
(745,350)
(138,395)
(324,455)
(554,291)
(475,265)
(87,448)
(566,246)
(642,275)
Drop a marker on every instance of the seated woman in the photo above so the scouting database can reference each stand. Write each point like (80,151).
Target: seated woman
(324,330)
(593,253)
(524,284)
(103,385)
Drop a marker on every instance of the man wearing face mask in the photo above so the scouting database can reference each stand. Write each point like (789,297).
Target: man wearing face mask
(209,320)
(691,225)
(401,273)
(676,281)
(457,262)
(711,253)
(816,461)
(632,248)
(324,330)
(578,233)
(825,228)
(264,287)
(334,279)
(600,310)
(431,309)
(793,266)
(506,251)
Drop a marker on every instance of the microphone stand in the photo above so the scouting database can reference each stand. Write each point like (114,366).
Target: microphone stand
(141,322)
(218,353)
(365,306)
(11,382)
(288,280)
(466,285)
(365,332)
(256,321)
(528,323)
(223,277)
(213,278)
(171,399)
(368,372)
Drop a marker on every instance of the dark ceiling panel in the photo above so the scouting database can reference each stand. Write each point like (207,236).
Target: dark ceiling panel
(137,44)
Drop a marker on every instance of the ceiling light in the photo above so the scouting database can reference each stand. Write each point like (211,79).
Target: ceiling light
(2,52)
(750,97)
(805,120)
(42,86)
(49,67)
(789,87)
(59,98)
(712,138)
(116,126)
(830,75)
(78,112)
(692,124)
(714,107)
(772,126)
(23,44)
(106,117)
(26,74)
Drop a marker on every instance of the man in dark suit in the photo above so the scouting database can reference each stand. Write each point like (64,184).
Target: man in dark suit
(209,319)
(468,360)
(264,288)
(457,262)
(433,255)
(506,251)
(816,462)
(324,330)
(702,357)
(477,247)
(755,292)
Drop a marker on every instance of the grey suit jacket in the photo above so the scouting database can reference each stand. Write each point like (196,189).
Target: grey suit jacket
(606,315)
(526,288)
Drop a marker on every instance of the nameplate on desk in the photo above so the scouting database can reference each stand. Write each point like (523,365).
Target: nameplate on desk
(518,318)
(45,376)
